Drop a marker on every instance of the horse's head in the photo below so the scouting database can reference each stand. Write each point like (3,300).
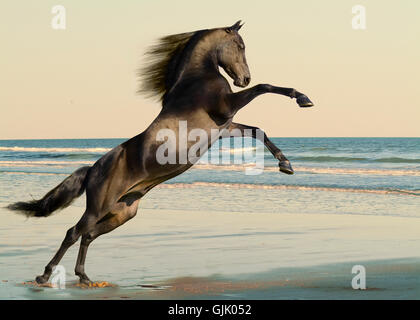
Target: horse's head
(231,55)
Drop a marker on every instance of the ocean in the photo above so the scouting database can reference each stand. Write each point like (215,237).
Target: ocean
(217,232)
(374,176)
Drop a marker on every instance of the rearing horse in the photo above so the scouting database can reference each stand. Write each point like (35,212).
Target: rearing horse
(184,74)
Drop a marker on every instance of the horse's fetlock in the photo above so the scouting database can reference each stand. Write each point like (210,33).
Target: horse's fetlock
(79,271)
(264,87)
(48,269)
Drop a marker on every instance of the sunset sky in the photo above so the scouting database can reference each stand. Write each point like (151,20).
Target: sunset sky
(81,82)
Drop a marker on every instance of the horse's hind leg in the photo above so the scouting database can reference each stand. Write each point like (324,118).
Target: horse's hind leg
(85,224)
(120,214)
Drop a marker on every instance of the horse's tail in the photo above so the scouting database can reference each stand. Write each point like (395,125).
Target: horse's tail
(58,198)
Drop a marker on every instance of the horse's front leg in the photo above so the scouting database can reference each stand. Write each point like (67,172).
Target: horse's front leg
(241,130)
(240,99)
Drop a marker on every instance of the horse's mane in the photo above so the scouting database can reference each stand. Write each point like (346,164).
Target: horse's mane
(164,63)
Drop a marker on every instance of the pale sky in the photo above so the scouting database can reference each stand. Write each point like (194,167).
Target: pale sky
(81,82)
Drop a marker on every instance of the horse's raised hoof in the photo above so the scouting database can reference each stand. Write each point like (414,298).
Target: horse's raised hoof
(286,167)
(304,102)
(41,279)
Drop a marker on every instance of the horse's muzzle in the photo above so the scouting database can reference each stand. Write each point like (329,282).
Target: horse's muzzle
(242,82)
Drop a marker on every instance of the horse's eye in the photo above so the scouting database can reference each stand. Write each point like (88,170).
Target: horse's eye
(241,46)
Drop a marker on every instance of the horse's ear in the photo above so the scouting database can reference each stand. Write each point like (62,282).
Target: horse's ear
(237,26)
(234,27)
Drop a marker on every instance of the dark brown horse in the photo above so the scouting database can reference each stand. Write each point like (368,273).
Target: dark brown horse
(184,73)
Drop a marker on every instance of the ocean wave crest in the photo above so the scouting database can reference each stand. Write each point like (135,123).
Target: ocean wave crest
(288,187)
(355,159)
(36,163)
(318,170)
(232,167)
(55,150)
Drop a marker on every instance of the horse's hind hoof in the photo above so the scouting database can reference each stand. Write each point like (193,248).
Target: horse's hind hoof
(286,167)
(41,279)
(84,279)
(86,282)
(304,102)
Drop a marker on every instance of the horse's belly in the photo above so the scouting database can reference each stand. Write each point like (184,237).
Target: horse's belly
(171,145)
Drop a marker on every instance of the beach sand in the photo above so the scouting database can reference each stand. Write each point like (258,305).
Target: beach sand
(173,254)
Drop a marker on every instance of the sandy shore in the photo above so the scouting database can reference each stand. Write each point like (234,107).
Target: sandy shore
(176,255)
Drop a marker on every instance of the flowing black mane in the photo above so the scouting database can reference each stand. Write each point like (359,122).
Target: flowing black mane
(165,62)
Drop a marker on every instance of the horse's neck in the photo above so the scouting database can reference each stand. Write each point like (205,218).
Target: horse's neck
(202,58)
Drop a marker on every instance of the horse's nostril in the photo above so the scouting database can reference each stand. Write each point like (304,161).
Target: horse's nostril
(247,80)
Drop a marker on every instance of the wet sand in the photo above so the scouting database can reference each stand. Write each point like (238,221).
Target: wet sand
(164,254)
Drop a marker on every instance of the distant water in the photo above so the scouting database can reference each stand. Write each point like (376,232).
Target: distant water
(344,203)
(333,175)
